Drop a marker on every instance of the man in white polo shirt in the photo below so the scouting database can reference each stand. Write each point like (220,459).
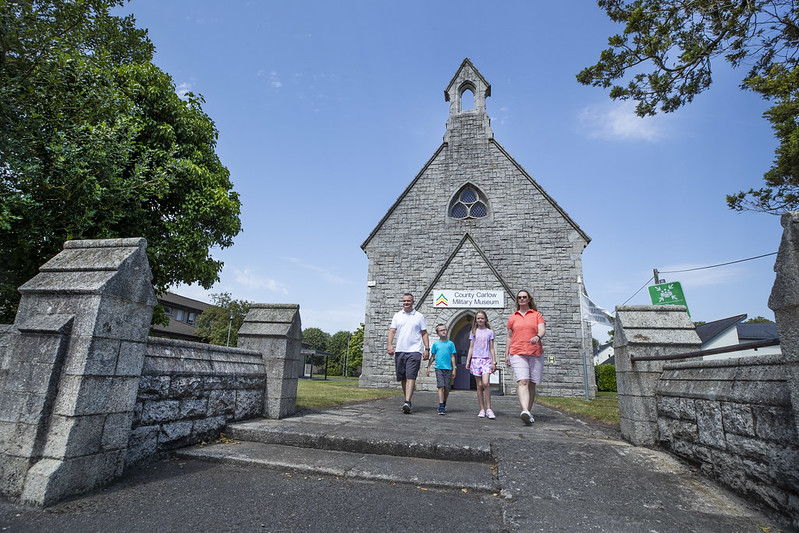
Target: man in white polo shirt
(408,328)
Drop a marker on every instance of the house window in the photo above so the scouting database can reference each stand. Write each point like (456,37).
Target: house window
(468,203)
(191,318)
(180,315)
(167,311)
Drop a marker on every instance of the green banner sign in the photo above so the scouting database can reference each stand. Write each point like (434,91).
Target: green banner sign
(668,294)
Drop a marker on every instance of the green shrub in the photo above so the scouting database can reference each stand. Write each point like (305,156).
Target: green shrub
(605,377)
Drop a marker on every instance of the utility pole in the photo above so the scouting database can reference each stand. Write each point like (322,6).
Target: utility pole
(346,357)
(657,278)
(230,325)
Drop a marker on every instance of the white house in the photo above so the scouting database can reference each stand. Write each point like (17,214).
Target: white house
(730,332)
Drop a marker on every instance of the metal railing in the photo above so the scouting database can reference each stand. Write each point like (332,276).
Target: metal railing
(725,349)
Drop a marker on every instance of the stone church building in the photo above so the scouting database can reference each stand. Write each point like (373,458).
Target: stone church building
(470,230)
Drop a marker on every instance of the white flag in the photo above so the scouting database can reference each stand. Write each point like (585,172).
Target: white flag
(592,312)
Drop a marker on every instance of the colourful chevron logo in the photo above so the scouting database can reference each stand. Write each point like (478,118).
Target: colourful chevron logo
(441,301)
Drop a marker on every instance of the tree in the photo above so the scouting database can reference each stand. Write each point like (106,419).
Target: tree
(355,357)
(758,320)
(665,52)
(215,324)
(338,347)
(95,143)
(316,338)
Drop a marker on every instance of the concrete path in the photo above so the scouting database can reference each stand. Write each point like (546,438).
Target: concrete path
(369,467)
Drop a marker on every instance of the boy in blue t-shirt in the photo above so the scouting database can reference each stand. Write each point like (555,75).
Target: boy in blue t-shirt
(444,351)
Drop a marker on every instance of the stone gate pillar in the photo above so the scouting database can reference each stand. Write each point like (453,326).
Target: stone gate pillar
(71,370)
(275,330)
(784,301)
(646,331)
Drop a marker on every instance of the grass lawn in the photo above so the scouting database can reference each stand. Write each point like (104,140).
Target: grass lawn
(605,407)
(316,393)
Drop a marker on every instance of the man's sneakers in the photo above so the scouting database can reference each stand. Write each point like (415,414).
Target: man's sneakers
(406,408)
(527,417)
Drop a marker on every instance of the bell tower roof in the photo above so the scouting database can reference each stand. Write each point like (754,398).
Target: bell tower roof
(467,78)
(467,87)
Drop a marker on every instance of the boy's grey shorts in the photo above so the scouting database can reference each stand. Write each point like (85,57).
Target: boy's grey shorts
(443,378)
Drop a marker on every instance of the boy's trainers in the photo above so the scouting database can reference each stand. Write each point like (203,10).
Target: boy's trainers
(406,408)
(527,417)
(442,410)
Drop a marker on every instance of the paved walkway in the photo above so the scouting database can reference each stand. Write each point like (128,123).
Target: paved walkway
(463,474)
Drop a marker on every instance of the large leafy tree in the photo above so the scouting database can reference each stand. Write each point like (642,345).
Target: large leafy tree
(95,143)
(663,59)
(220,323)
(316,338)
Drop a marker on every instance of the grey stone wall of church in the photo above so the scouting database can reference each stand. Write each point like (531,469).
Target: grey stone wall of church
(528,240)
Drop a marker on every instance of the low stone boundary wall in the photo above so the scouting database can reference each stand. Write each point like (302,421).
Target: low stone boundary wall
(84,393)
(189,391)
(738,419)
(735,420)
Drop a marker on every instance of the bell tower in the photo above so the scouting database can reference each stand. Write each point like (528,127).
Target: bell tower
(466,94)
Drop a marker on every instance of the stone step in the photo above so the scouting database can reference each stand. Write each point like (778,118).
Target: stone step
(350,437)
(423,472)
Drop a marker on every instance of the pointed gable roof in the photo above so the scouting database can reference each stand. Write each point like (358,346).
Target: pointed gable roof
(466,238)
(468,74)
(475,74)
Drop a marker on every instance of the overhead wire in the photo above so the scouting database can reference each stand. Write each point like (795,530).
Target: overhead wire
(639,290)
(714,266)
(697,268)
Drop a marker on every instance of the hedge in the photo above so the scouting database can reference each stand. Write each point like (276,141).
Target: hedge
(606,377)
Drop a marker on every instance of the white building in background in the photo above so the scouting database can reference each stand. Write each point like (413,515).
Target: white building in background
(604,355)
(730,332)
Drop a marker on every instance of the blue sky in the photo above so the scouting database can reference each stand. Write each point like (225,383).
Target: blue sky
(327,110)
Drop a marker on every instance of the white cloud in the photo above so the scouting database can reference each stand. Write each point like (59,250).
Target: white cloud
(332,320)
(326,274)
(274,81)
(273,78)
(247,279)
(193,291)
(182,88)
(619,122)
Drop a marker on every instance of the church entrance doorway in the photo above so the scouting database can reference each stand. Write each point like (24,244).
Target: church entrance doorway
(459,334)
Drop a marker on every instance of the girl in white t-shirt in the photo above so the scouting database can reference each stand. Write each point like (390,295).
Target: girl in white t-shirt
(482,361)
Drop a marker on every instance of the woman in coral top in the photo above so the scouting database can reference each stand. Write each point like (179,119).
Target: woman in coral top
(523,351)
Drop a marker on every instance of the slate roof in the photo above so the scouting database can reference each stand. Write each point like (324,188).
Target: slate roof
(176,328)
(711,330)
(757,332)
